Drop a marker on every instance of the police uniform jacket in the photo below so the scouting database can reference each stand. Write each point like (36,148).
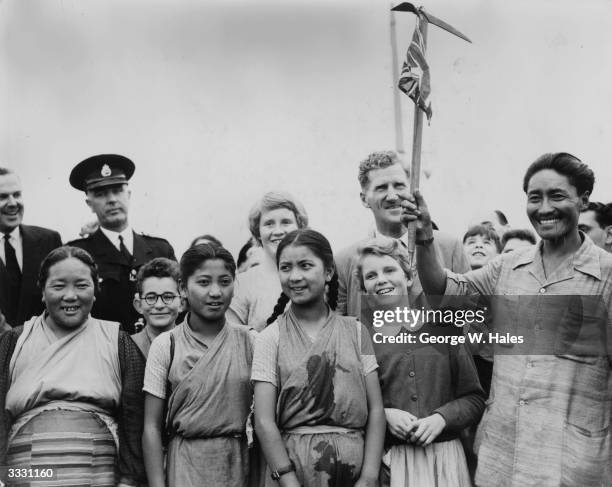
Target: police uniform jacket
(118,275)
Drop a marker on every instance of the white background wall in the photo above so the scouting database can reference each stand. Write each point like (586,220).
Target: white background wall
(219,101)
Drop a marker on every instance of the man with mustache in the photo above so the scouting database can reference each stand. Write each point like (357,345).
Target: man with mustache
(384,185)
(117,250)
(22,249)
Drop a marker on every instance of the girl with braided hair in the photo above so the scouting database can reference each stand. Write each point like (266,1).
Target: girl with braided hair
(318,407)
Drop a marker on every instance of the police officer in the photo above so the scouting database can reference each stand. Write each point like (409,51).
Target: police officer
(117,249)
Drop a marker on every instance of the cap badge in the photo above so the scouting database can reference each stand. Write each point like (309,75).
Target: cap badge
(106,171)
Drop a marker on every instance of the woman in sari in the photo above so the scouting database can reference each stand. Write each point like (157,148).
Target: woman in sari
(257,289)
(201,370)
(70,389)
(431,392)
(318,407)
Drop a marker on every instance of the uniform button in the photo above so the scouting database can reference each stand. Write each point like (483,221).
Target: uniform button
(542,290)
(414,397)
(411,374)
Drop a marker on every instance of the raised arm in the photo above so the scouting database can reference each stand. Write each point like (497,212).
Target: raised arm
(431,273)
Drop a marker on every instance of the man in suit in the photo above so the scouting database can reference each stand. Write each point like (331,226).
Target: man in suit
(384,184)
(22,250)
(117,250)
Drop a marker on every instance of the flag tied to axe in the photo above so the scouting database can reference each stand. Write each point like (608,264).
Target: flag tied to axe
(414,79)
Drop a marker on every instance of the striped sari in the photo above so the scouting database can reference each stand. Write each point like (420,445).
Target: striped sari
(61,393)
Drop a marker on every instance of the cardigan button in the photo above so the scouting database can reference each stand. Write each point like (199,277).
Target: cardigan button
(412,374)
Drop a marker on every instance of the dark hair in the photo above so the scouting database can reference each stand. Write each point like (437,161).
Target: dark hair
(195,256)
(519,233)
(318,245)
(501,217)
(63,253)
(579,174)
(207,236)
(603,213)
(377,160)
(5,170)
(244,250)
(159,267)
(486,231)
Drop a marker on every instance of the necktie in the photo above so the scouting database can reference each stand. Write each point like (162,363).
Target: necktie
(124,251)
(14,279)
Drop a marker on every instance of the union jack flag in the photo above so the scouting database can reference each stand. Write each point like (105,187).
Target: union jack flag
(414,78)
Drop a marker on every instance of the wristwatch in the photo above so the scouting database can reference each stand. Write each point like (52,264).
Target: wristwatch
(425,241)
(279,472)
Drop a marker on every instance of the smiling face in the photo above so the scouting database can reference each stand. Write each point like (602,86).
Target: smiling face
(553,205)
(302,275)
(110,204)
(384,278)
(273,226)
(68,293)
(209,290)
(11,203)
(384,193)
(479,249)
(160,314)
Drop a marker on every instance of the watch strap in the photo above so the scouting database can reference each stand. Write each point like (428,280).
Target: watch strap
(279,472)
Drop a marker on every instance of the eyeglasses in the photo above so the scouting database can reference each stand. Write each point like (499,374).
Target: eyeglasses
(167,298)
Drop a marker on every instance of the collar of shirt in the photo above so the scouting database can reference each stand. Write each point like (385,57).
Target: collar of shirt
(128,238)
(586,259)
(16,242)
(402,240)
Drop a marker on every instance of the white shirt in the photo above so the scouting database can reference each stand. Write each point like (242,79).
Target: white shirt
(128,238)
(16,241)
(403,240)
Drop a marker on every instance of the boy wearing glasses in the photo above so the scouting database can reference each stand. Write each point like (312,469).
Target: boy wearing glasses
(157,300)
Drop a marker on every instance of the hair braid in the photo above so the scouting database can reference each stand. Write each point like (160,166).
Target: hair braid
(332,291)
(283,299)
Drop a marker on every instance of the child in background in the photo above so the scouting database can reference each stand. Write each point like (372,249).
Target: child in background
(481,244)
(158,300)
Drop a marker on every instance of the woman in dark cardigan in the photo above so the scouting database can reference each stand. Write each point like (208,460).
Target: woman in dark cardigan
(71,386)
